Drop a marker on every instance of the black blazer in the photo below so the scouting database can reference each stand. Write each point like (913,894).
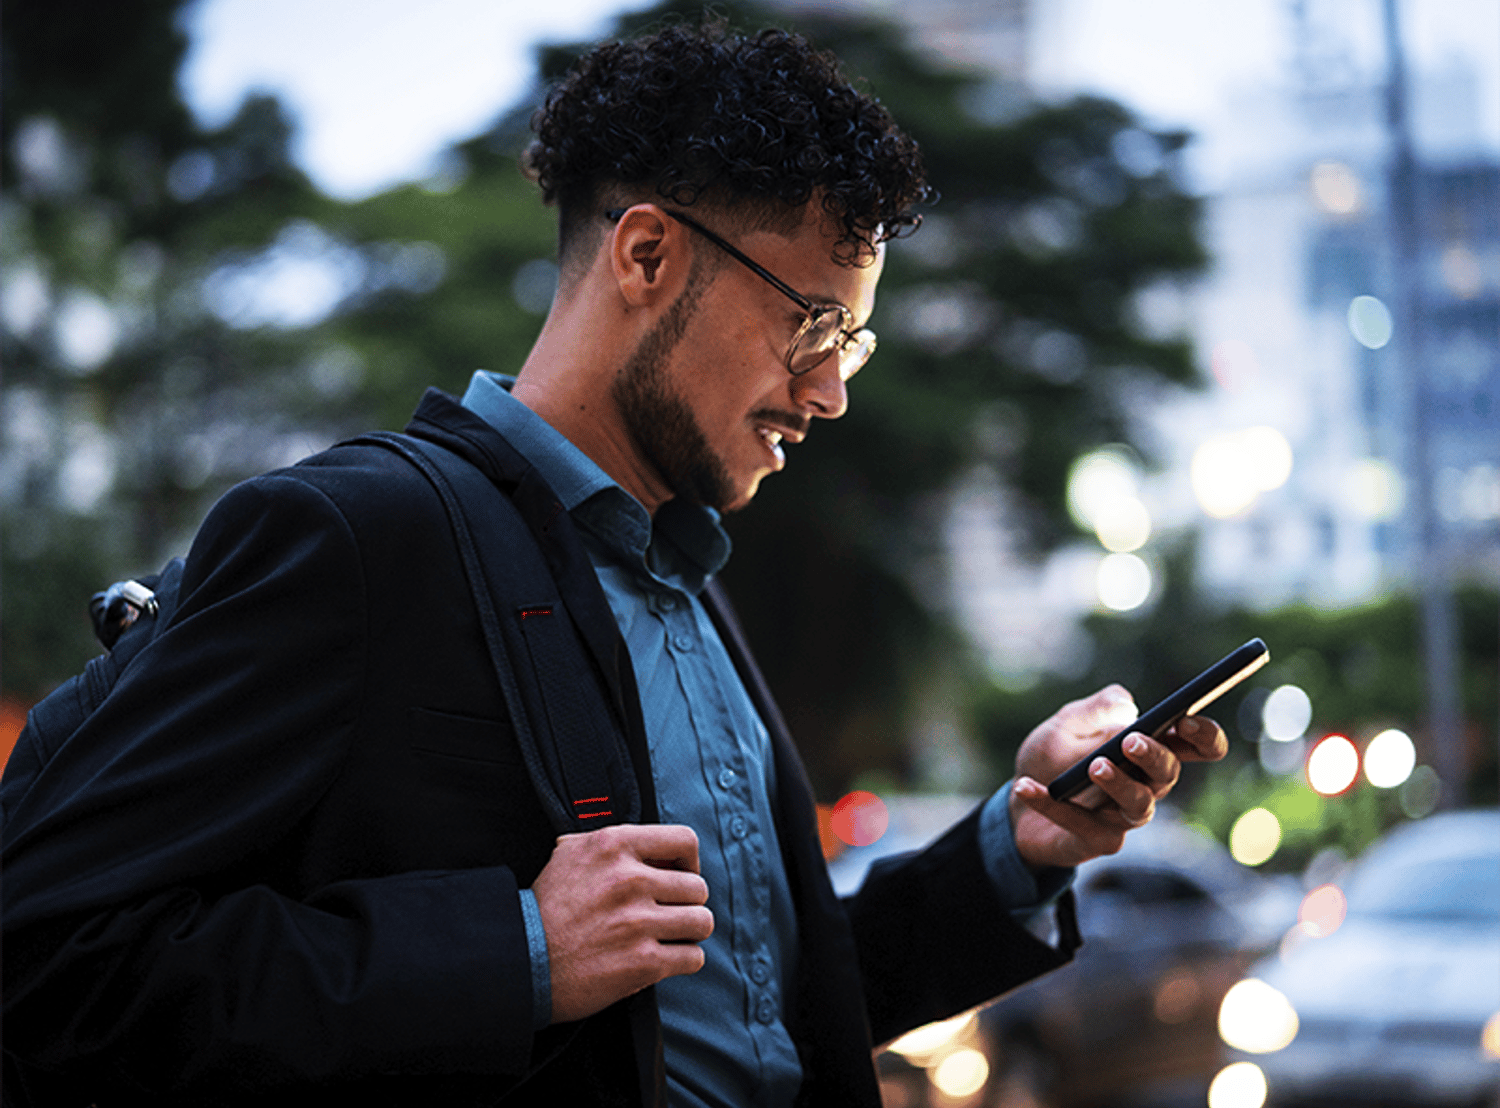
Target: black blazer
(285,854)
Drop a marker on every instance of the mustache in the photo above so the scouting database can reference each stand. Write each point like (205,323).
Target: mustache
(785,421)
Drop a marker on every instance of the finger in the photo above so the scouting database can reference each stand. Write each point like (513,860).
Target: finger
(1135,801)
(1098,830)
(1111,708)
(685,924)
(1199,739)
(676,959)
(664,845)
(670,886)
(1155,759)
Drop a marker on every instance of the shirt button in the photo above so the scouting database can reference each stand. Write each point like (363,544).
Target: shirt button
(726,777)
(738,827)
(683,643)
(765,1010)
(759,973)
(666,601)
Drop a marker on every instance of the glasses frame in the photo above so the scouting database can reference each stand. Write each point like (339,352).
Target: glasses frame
(848,333)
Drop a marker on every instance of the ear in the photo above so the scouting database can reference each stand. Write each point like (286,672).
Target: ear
(649,255)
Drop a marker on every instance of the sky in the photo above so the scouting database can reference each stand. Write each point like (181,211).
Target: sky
(379,88)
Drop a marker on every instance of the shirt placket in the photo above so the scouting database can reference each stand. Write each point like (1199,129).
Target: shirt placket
(727,775)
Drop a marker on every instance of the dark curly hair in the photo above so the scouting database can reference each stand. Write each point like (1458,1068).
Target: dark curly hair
(758,124)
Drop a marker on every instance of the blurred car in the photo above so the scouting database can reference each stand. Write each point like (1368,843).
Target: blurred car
(1399,1003)
(1169,924)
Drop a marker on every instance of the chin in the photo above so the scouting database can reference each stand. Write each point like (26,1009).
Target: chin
(743,496)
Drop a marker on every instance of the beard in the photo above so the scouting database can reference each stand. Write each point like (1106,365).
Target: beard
(659,422)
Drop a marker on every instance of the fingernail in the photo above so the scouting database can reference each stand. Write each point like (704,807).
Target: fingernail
(1102,768)
(1189,726)
(1135,744)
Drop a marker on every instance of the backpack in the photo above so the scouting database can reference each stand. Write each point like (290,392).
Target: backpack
(577,760)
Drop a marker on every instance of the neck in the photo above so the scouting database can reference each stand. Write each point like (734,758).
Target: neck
(567,380)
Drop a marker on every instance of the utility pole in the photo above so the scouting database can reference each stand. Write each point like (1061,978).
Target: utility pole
(1430,564)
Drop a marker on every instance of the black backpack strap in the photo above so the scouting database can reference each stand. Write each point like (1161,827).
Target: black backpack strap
(574,751)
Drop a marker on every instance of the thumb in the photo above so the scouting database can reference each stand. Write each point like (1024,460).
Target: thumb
(1111,708)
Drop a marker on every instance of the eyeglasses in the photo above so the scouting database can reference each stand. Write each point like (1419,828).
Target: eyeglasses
(826,330)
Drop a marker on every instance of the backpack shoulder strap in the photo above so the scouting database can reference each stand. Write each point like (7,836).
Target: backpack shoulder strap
(574,751)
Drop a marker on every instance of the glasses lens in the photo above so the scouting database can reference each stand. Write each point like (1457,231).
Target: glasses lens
(819,339)
(855,353)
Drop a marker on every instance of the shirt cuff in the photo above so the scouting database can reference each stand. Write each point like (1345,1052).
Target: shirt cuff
(1023,890)
(541,968)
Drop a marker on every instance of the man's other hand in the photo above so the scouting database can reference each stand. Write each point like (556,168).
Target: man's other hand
(1059,833)
(623,908)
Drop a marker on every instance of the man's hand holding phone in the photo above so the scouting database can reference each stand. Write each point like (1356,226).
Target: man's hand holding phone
(1083,736)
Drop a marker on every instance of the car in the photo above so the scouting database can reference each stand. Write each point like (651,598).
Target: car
(1169,924)
(1398,1001)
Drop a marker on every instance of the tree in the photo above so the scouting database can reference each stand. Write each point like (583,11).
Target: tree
(130,398)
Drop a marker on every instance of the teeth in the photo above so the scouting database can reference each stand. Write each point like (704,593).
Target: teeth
(772,437)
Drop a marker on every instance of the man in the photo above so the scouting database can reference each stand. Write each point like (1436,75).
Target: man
(300,850)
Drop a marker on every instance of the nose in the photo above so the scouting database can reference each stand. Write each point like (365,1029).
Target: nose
(821,391)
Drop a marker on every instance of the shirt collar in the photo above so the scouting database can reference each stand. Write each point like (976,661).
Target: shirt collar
(684,546)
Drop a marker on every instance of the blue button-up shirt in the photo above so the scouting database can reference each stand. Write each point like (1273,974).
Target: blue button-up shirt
(723,1028)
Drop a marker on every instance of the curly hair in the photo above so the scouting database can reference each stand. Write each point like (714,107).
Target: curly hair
(759,124)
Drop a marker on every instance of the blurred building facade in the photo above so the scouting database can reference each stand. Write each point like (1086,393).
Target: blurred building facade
(1379,375)
(1365,326)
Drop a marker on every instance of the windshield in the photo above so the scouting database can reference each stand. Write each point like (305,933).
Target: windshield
(1446,888)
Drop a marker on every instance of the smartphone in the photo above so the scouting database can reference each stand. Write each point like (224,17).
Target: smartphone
(1074,784)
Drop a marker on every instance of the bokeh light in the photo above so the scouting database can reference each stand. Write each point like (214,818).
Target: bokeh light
(1489,1038)
(1287,713)
(921,1044)
(1125,527)
(1421,792)
(1333,765)
(1098,480)
(1124,582)
(1230,470)
(1238,1085)
(1257,1018)
(1374,488)
(1177,996)
(1370,322)
(1321,911)
(963,1073)
(860,818)
(1103,490)
(1336,188)
(1463,273)
(1282,759)
(1389,759)
(1254,837)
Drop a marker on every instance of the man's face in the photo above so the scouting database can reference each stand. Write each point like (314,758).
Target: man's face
(706,396)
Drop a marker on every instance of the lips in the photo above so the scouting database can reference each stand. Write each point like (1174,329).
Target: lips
(772,438)
(776,428)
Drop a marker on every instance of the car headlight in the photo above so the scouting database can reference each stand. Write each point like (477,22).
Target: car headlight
(1257,1018)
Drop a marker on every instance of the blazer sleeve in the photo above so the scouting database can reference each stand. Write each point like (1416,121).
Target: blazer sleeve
(157,933)
(934,938)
